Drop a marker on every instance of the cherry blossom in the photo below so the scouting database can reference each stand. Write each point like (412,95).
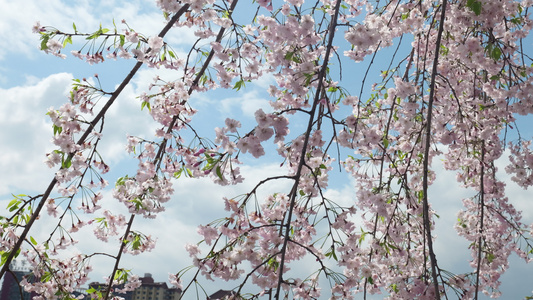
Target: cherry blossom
(454,87)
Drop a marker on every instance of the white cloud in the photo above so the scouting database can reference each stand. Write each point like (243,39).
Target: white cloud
(195,202)
(452,251)
(18,17)
(26,133)
(245,104)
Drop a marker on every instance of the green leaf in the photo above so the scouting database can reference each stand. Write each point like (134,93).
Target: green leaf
(209,159)
(46,277)
(475,6)
(219,173)
(238,85)
(74,26)
(92,36)
(171,54)
(121,181)
(122,40)
(13,205)
(490,257)
(121,274)
(138,203)
(496,53)
(33,241)
(146,104)
(291,56)
(65,164)
(45,39)
(273,263)
(67,40)
(136,243)
(444,50)
(362,237)
(308,78)
(493,51)
(4,256)
(13,202)
(331,254)
(57,129)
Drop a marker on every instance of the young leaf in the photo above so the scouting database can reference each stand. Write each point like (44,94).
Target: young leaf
(66,163)
(13,202)
(475,6)
(68,40)
(44,40)
(238,85)
(219,173)
(145,104)
(496,53)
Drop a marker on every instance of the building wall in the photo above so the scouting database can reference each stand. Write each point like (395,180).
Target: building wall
(149,290)
(10,287)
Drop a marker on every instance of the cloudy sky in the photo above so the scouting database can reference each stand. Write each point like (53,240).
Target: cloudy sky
(31,82)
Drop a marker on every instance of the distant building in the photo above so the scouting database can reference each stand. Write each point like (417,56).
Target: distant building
(221,295)
(11,290)
(149,290)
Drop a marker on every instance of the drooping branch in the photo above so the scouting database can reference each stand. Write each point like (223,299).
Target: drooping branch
(427,221)
(194,85)
(316,100)
(81,140)
(123,243)
(481,216)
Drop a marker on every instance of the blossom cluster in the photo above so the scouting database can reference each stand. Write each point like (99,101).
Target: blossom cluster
(54,278)
(460,84)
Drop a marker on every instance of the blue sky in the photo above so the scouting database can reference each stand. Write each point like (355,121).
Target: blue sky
(31,82)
